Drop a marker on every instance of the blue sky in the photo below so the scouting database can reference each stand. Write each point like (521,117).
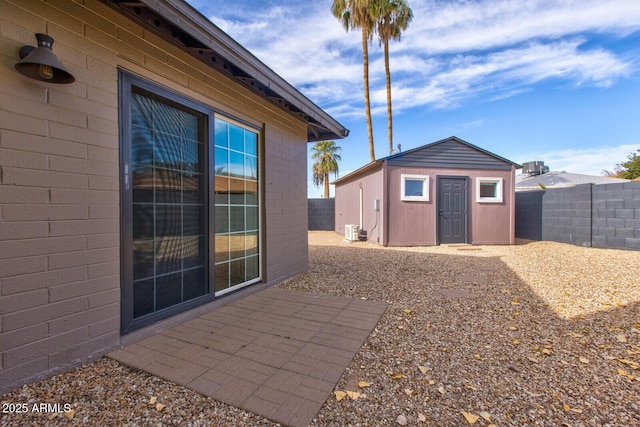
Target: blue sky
(550,80)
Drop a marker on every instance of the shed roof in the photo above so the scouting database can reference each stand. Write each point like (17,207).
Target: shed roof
(361,170)
(451,152)
(448,152)
(182,25)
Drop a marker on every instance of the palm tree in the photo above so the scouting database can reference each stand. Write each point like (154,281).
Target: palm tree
(326,161)
(356,14)
(393,17)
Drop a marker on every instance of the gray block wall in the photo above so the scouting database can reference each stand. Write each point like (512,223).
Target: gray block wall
(566,215)
(605,216)
(322,214)
(616,215)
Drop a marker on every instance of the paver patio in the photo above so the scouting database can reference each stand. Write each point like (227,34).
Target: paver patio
(276,353)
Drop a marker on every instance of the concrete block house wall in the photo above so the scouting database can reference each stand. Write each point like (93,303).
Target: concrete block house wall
(61,266)
(415,222)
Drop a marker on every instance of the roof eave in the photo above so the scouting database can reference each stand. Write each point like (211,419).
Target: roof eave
(182,25)
(366,168)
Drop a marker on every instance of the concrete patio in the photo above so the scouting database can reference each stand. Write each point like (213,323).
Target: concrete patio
(276,353)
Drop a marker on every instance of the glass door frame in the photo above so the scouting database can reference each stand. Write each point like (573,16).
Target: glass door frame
(260,246)
(126,83)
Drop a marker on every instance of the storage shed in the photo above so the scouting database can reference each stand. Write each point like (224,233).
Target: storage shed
(169,172)
(449,191)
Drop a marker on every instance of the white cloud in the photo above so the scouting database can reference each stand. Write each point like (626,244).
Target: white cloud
(451,52)
(480,25)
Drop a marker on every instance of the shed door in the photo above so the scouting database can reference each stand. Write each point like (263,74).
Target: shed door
(452,210)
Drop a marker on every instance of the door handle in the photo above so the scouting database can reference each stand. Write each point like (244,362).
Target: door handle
(127,182)
(440,212)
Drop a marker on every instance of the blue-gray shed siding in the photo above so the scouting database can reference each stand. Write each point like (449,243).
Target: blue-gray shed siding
(452,154)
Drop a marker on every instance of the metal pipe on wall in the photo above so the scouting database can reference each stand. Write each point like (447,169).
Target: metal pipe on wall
(361,205)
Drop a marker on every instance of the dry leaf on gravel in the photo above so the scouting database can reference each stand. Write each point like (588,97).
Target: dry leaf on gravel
(630,363)
(471,418)
(354,395)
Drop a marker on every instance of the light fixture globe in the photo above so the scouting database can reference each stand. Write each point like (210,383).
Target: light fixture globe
(42,64)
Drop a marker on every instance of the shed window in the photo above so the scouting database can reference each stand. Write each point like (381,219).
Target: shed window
(414,188)
(489,190)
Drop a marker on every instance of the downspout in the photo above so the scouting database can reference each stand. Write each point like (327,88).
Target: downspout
(512,237)
(361,205)
(384,205)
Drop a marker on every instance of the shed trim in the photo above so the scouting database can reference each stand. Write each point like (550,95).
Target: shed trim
(366,168)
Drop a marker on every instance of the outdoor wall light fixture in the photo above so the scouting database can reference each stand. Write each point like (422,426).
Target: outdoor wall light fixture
(41,63)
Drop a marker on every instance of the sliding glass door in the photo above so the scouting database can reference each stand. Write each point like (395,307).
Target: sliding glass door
(190,203)
(237,212)
(169,226)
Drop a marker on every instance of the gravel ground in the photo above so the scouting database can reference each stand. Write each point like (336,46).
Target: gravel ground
(536,334)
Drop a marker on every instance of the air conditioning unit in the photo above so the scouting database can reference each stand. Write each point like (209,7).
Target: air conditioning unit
(350,232)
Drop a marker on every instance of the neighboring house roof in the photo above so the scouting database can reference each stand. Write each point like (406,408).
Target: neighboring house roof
(182,25)
(556,179)
(452,153)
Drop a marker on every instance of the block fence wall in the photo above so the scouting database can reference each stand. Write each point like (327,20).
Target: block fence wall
(322,214)
(603,216)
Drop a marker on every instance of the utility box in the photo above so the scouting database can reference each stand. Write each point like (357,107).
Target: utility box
(351,232)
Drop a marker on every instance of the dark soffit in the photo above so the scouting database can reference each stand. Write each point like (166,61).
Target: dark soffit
(185,27)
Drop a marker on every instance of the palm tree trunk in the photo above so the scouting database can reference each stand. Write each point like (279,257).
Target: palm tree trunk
(326,185)
(367,101)
(389,115)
